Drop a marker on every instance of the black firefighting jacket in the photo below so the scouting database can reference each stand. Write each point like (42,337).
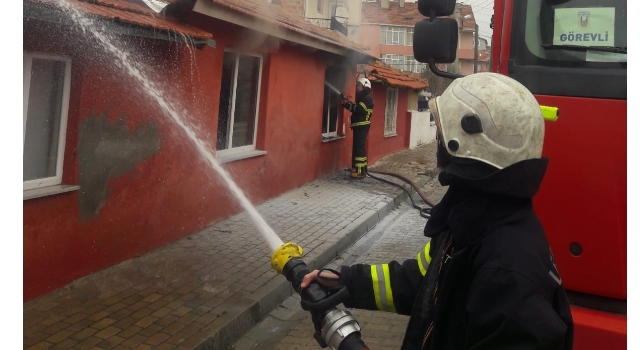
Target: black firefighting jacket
(361,109)
(487,278)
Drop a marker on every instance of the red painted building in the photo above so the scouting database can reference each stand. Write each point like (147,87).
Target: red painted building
(108,176)
(117,178)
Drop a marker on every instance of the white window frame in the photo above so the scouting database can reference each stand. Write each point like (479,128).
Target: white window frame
(409,42)
(27,60)
(404,62)
(400,33)
(392,59)
(252,146)
(331,133)
(391,113)
(396,35)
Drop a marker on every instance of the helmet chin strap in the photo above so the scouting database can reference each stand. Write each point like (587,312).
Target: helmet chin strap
(444,178)
(442,156)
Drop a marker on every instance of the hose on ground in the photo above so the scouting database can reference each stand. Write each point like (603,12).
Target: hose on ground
(424,212)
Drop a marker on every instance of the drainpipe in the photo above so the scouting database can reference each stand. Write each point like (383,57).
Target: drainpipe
(175,9)
(156,5)
(475,54)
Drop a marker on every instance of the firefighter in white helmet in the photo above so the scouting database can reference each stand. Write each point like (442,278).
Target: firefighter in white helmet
(487,278)
(360,123)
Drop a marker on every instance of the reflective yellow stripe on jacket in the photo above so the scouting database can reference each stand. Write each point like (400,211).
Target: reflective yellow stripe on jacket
(424,259)
(368,116)
(382,287)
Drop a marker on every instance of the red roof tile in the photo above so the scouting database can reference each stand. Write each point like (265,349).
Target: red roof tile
(373,13)
(131,13)
(381,72)
(274,13)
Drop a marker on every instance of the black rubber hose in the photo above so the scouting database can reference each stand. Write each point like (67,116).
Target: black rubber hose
(353,342)
(425,199)
(424,212)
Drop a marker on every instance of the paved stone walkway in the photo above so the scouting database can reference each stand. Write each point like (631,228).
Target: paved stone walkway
(397,237)
(210,288)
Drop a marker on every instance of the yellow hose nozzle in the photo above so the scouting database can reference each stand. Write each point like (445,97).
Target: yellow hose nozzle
(550,114)
(282,255)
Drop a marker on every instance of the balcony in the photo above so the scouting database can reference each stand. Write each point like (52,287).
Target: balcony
(339,24)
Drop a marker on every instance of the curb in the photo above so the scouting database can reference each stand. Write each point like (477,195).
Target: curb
(235,323)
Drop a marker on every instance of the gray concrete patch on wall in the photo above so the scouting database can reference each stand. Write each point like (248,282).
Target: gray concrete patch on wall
(109,150)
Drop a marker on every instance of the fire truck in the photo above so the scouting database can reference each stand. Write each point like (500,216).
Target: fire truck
(572,55)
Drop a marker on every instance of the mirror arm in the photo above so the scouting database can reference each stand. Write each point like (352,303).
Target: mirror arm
(436,71)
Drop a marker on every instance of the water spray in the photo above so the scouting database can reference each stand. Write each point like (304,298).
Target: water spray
(334,89)
(171,111)
(334,327)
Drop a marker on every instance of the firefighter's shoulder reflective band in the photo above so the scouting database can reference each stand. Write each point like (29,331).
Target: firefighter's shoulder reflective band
(424,259)
(382,287)
(550,114)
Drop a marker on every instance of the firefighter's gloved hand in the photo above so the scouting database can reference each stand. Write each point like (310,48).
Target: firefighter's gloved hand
(328,279)
(334,292)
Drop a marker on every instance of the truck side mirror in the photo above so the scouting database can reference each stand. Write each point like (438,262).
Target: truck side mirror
(435,40)
(441,7)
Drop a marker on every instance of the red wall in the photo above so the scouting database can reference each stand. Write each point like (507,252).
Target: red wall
(377,145)
(170,193)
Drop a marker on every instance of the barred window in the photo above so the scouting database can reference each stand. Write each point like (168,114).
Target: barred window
(394,35)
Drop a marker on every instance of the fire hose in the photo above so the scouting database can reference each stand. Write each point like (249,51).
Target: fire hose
(334,327)
(424,212)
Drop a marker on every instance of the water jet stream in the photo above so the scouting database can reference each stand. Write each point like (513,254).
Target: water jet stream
(89,26)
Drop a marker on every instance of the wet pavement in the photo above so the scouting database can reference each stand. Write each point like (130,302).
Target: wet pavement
(397,237)
(209,289)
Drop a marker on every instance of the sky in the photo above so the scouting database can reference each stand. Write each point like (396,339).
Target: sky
(482,10)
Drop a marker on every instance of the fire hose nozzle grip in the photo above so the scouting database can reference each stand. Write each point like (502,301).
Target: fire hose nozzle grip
(311,302)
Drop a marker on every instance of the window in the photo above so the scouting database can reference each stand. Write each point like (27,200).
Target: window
(412,65)
(547,61)
(46,84)
(391,112)
(409,41)
(331,108)
(406,63)
(393,35)
(320,6)
(239,97)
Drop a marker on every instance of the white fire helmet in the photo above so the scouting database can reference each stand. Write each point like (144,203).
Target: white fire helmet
(490,118)
(365,82)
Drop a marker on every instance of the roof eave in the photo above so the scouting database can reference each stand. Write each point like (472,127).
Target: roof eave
(210,9)
(51,14)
